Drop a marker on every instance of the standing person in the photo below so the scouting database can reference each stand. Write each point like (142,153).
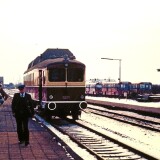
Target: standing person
(3,95)
(20,103)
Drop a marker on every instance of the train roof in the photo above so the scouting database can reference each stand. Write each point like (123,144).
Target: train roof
(52,54)
(48,62)
(141,82)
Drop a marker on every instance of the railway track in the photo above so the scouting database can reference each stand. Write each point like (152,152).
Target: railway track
(134,118)
(97,144)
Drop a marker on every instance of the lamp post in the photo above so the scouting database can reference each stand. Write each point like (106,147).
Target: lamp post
(119,66)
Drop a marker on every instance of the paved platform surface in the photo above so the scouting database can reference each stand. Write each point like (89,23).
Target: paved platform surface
(42,144)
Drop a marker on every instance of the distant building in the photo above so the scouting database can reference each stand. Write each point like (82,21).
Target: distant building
(9,86)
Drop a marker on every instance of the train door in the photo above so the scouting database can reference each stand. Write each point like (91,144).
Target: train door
(40,86)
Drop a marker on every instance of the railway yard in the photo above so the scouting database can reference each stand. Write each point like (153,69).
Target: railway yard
(107,129)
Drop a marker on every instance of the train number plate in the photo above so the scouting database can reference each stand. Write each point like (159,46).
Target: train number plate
(65,97)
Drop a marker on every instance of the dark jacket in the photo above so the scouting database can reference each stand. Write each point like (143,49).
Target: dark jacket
(20,105)
(4,94)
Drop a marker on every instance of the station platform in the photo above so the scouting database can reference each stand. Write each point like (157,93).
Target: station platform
(148,108)
(42,144)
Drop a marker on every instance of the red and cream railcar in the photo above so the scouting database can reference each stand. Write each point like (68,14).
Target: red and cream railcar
(94,88)
(110,89)
(116,89)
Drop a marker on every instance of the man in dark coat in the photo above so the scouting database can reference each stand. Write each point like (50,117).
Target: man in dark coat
(21,103)
(3,95)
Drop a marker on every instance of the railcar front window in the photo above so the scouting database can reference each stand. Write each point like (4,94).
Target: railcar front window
(149,86)
(142,86)
(57,75)
(75,74)
(122,86)
(98,86)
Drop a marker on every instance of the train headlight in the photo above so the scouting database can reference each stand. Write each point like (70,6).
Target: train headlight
(82,97)
(50,96)
(66,65)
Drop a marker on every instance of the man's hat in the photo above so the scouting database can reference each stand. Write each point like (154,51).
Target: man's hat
(21,86)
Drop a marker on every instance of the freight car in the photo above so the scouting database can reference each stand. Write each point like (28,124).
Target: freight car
(56,82)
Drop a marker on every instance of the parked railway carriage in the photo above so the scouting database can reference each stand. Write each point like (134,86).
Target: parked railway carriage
(56,81)
(116,89)
(156,88)
(142,91)
(98,88)
(142,87)
(125,88)
(110,89)
(122,89)
(94,88)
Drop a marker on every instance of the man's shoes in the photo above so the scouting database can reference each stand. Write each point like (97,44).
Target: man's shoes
(26,144)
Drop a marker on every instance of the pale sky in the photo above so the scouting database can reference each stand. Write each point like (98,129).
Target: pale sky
(90,29)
